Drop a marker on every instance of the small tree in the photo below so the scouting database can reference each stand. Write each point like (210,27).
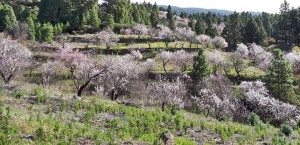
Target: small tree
(166,57)
(47,33)
(260,57)
(106,37)
(166,34)
(122,71)
(203,40)
(182,59)
(236,60)
(140,30)
(219,42)
(82,69)
(49,70)
(279,77)
(167,93)
(218,62)
(13,58)
(201,68)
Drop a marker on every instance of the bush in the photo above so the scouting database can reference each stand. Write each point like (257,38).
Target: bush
(254,119)
(286,129)
(39,93)
(18,94)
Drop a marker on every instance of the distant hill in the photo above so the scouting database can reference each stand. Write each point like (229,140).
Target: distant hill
(191,10)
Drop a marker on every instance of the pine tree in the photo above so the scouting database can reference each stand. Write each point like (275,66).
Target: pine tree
(201,68)
(94,20)
(7,18)
(154,16)
(233,30)
(279,78)
(171,21)
(200,27)
(252,32)
(210,30)
(109,20)
(47,33)
(31,28)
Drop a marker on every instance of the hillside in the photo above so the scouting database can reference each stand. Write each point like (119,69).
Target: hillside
(189,10)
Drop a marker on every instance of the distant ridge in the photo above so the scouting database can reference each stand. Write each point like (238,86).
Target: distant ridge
(191,10)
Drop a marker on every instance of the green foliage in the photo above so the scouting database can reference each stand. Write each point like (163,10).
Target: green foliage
(47,33)
(31,28)
(154,16)
(19,94)
(94,19)
(184,141)
(254,119)
(201,68)
(200,27)
(109,21)
(279,78)
(286,129)
(40,94)
(7,18)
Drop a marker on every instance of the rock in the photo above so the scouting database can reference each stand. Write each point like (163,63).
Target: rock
(167,138)
(28,137)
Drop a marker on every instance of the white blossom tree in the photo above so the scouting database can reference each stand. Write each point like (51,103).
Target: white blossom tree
(186,34)
(242,49)
(219,42)
(49,70)
(122,71)
(237,62)
(182,59)
(152,33)
(216,97)
(83,69)
(261,58)
(219,28)
(268,108)
(13,58)
(166,57)
(140,30)
(166,34)
(218,61)
(149,65)
(203,40)
(294,59)
(167,93)
(106,37)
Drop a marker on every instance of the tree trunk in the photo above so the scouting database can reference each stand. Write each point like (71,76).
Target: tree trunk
(82,87)
(163,107)
(191,45)
(114,95)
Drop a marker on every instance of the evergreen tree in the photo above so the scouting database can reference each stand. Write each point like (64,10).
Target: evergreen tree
(252,32)
(262,32)
(31,28)
(154,16)
(210,30)
(233,30)
(7,18)
(201,68)
(284,22)
(109,20)
(200,27)
(279,77)
(38,33)
(47,33)
(171,21)
(94,20)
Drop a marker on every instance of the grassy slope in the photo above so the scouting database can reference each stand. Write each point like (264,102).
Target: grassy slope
(67,121)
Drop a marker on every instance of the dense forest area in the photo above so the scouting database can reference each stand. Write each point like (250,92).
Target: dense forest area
(116,72)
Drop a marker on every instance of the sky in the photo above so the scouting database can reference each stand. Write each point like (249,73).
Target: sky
(270,6)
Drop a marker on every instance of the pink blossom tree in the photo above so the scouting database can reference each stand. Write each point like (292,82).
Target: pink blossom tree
(13,58)
(219,28)
(82,68)
(294,59)
(218,61)
(261,58)
(242,49)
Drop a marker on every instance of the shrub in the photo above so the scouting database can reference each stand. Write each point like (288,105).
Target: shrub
(40,134)
(286,129)
(18,94)
(254,119)
(184,141)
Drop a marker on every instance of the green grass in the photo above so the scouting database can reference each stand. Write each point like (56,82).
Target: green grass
(94,120)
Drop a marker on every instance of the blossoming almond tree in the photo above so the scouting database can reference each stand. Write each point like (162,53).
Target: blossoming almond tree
(82,69)
(13,58)
(167,93)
